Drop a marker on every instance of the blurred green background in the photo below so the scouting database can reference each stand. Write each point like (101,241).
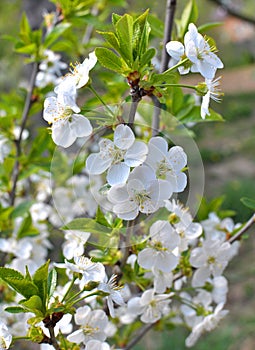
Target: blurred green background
(227,149)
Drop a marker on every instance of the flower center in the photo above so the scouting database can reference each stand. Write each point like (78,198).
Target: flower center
(88,330)
(141,197)
(163,168)
(3,343)
(211,260)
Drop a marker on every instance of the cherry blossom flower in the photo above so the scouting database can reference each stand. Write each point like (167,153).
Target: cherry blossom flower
(201,57)
(92,325)
(210,259)
(66,125)
(150,306)
(159,254)
(207,324)
(143,192)
(88,270)
(114,293)
(162,280)
(5,336)
(97,345)
(167,164)
(181,219)
(74,244)
(117,156)
(213,92)
(200,53)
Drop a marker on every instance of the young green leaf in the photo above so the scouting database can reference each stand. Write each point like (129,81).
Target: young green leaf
(15,309)
(124,31)
(21,209)
(147,57)
(110,60)
(141,32)
(34,304)
(248,202)
(52,283)
(56,32)
(40,279)
(111,39)
(189,15)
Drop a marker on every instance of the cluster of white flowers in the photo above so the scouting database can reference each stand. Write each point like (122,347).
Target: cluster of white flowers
(201,59)
(157,172)
(62,112)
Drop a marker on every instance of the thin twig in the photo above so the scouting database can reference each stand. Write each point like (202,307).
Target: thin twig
(248,224)
(53,338)
(139,335)
(28,102)
(169,20)
(132,112)
(231,11)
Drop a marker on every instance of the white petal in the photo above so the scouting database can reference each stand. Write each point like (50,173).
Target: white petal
(136,154)
(205,105)
(76,337)
(144,174)
(118,194)
(50,111)
(175,49)
(95,165)
(62,135)
(177,157)
(166,262)
(118,174)
(123,137)
(80,125)
(126,210)
(146,258)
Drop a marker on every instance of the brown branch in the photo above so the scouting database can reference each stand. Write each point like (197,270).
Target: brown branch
(169,21)
(243,229)
(231,11)
(54,341)
(28,102)
(139,335)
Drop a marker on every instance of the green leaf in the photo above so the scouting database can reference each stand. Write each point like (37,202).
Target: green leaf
(111,39)
(25,29)
(124,30)
(40,279)
(189,15)
(110,60)
(21,209)
(248,202)
(15,309)
(177,100)
(26,228)
(115,18)
(18,282)
(34,304)
(57,31)
(87,225)
(100,218)
(195,116)
(157,26)
(208,26)
(147,56)
(26,49)
(52,283)
(141,32)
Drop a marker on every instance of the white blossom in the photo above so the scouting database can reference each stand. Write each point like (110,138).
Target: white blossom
(210,259)
(213,92)
(114,293)
(74,244)
(117,156)
(82,265)
(167,164)
(200,53)
(143,192)
(182,221)
(92,325)
(159,253)
(66,125)
(150,306)
(97,345)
